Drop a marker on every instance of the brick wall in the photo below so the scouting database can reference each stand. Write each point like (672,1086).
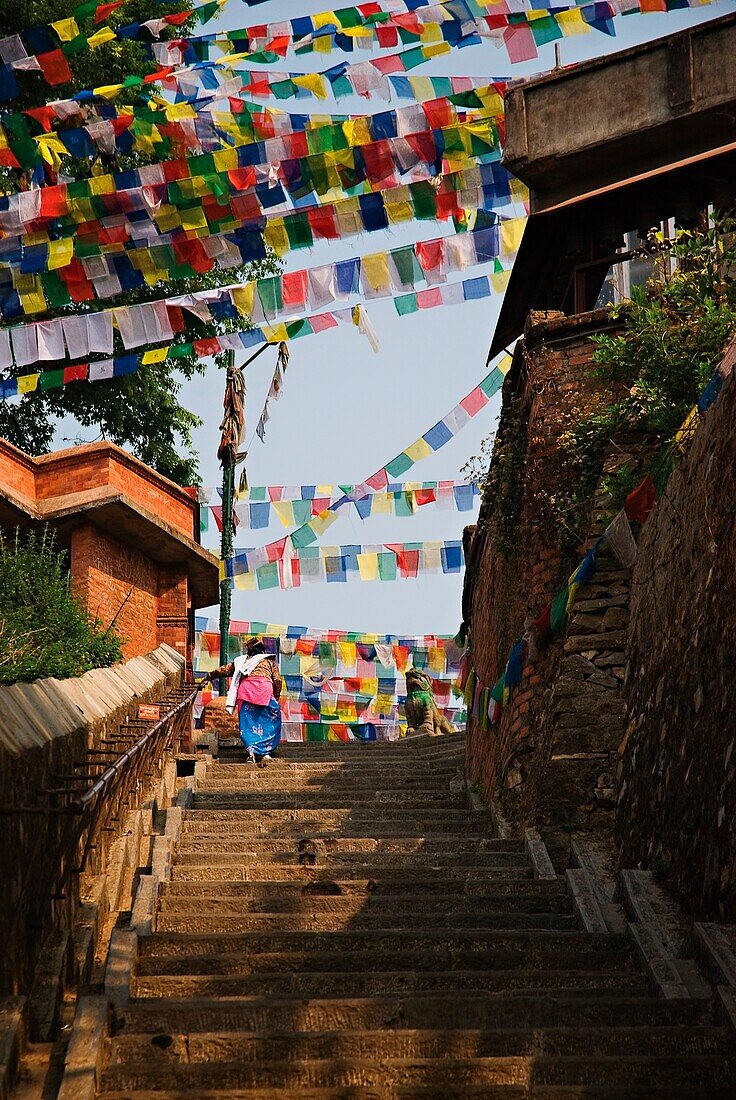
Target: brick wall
(103,573)
(549,388)
(105,570)
(676,812)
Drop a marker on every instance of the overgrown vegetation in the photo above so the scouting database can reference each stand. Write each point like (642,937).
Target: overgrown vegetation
(675,328)
(44,630)
(651,372)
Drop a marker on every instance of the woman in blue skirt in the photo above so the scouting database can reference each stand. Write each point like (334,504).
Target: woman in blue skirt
(255,688)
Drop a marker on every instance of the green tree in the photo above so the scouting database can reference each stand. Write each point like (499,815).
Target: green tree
(44,631)
(140,411)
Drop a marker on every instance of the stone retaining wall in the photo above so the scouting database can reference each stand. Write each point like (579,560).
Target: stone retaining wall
(45,728)
(676,812)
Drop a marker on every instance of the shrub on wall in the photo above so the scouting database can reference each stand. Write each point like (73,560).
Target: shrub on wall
(44,630)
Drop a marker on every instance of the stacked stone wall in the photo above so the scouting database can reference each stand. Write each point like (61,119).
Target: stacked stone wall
(676,812)
(551,387)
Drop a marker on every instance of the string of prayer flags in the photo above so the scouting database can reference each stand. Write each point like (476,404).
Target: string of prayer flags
(338,564)
(244,181)
(399,499)
(128,364)
(433,440)
(50,274)
(209,126)
(261,301)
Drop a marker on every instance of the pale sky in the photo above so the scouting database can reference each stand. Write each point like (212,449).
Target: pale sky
(346,411)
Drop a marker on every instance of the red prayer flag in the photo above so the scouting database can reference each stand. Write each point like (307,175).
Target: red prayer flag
(640,501)
(209,345)
(388,36)
(475,401)
(43,115)
(75,373)
(294,288)
(8,159)
(177,18)
(428,299)
(379,480)
(322,321)
(430,254)
(542,623)
(424,496)
(275,550)
(54,201)
(54,67)
(438,113)
(386,65)
(103,10)
(520,42)
(217,516)
(322,223)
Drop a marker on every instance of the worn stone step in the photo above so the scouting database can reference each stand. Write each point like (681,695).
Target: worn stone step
(530,945)
(441,1011)
(225,841)
(688,1070)
(366,984)
(438,1043)
(302,800)
(693,1070)
(470,887)
(264,872)
(444,1091)
(359,770)
(350,822)
(351,962)
(174,919)
(393,905)
(367,861)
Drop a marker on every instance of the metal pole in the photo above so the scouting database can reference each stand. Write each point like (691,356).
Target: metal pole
(226,545)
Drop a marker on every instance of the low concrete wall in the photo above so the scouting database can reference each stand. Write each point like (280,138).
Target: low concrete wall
(45,728)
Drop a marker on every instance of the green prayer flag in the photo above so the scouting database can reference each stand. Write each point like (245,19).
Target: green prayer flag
(299,231)
(545,30)
(303,537)
(407,266)
(55,289)
(340,86)
(558,615)
(387,566)
(284,89)
(269,292)
(399,465)
(51,379)
(425,201)
(414,57)
(406,303)
(316,731)
(492,384)
(268,575)
(497,689)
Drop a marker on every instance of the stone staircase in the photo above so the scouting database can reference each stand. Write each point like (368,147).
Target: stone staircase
(342,924)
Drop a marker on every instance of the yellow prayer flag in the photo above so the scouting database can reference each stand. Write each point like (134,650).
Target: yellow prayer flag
(275,334)
(436,49)
(52,149)
(504,365)
(167,218)
(313,82)
(33,301)
(398,212)
(155,355)
(177,111)
(66,29)
(325,19)
(244,582)
(324,520)
(100,37)
(194,218)
(382,504)
(284,509)
(500,281)
(349,222)
(276,237)
(323,44)
(421,87)
(225,159)
(348,653)
(243,297)
(436,659)
(27,383)
(357,131)
(571,22)
(431,32)
(512,230)
(368,567)
(375,270)
(418,450)
(108,91)
(60,253)
(689,424)
(101,185)
(323,490)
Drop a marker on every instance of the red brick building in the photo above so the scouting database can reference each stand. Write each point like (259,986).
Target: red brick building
(131,535)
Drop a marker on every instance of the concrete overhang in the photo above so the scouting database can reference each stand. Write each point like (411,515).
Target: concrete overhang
(116,514)
(603,121)
(613,145)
